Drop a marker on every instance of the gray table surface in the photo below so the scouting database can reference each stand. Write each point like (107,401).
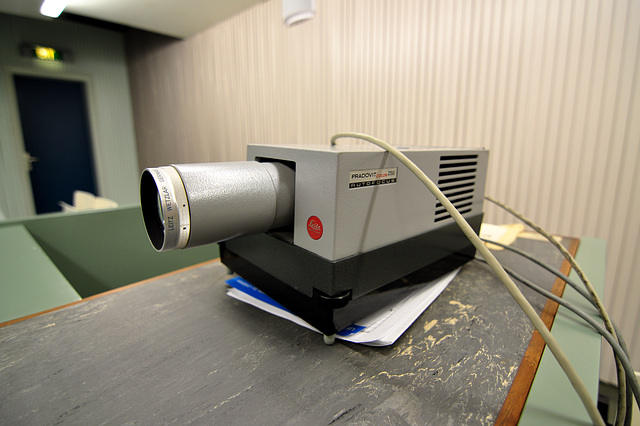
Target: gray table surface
(178,350)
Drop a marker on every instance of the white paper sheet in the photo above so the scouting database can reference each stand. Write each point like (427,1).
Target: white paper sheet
(380,328)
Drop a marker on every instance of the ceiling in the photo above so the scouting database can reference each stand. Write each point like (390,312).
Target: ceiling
(175,18)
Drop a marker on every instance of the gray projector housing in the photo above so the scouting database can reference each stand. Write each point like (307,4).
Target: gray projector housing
(379,224)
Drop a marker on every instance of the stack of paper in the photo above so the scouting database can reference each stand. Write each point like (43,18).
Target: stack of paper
(380,328)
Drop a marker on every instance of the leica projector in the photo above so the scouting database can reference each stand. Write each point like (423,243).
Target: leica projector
(324,231)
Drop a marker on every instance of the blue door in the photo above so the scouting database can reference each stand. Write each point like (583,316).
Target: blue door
(55,126)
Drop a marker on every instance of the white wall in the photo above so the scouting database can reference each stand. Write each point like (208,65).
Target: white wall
(100,61)
(552,87)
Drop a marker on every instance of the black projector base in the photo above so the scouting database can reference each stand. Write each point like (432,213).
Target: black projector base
(332,295)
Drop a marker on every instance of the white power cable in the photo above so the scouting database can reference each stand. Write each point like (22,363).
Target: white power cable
(560,356)
(622,380)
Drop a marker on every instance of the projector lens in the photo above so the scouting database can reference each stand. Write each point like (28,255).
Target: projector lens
(165,208)
(188,205)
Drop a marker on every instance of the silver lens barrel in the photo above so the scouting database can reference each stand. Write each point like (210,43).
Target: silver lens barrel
(165,208)
(188,205)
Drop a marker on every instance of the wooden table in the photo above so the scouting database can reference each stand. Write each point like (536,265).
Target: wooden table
(176,349)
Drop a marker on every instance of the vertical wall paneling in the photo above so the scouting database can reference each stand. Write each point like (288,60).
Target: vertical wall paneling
(550,86)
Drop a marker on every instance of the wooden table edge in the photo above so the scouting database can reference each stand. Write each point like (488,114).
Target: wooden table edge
(519,390)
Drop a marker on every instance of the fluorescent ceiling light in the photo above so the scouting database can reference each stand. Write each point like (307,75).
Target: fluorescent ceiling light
(53,8)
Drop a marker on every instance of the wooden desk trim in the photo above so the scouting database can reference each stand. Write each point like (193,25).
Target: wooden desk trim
(519,391)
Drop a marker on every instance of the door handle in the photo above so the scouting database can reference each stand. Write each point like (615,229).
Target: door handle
(29,160)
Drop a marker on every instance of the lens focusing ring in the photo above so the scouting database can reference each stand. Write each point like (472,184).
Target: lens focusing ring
(174,204)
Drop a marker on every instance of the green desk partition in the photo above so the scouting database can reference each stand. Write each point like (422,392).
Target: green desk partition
(552,399)
(30,281)
(95,251)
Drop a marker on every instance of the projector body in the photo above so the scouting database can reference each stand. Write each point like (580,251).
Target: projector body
(361,222)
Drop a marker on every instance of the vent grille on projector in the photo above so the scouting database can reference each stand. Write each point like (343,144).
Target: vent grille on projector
(456,180)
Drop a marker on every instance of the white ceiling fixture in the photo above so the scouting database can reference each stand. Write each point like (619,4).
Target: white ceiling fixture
(297,11)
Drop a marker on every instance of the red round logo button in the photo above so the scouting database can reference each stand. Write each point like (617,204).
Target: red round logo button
(314,227)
